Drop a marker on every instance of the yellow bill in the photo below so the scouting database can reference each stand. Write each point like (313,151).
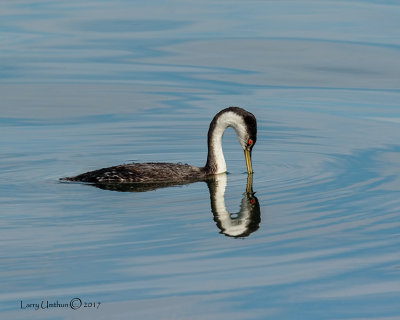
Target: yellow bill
(247,155)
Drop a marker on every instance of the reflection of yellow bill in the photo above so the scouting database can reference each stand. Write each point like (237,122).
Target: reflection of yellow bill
(249,188)
(247,155)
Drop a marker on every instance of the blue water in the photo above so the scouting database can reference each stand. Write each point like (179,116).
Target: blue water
(89,84)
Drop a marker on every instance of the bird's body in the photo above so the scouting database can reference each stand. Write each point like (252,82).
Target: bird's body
(142,173)
(241,120)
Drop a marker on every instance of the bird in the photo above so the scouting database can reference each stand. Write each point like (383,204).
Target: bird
(163,174)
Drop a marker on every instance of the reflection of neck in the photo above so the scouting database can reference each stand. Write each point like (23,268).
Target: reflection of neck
(219,195)
(233,227)
(215,159)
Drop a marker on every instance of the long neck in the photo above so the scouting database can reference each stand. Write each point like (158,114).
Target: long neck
(215,158)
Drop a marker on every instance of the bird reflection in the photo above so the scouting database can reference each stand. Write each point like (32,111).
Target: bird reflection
(237,225)
(140,187)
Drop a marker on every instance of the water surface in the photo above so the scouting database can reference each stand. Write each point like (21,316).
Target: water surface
(86,85)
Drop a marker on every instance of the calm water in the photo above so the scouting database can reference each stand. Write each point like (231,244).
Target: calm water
(90,84)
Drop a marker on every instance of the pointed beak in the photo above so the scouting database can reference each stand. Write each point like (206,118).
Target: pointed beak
(247,155)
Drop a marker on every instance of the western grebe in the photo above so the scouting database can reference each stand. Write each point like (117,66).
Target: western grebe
(242,121)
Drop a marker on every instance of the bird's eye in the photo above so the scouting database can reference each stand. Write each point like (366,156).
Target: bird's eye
(250,142)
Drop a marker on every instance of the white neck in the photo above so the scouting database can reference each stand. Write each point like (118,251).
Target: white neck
(215,154)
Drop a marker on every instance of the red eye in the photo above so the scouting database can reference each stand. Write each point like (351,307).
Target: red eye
(252,201)
(251,142)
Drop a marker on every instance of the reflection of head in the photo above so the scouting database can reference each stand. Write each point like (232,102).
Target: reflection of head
(239,224)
